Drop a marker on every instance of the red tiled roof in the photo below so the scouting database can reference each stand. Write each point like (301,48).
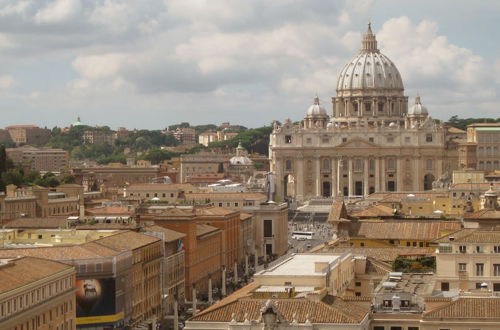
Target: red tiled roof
(462,308)
(25,270)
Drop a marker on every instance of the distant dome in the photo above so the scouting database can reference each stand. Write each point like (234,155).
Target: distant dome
(316,109)
(77,122)
(370,69)
(241,157)
(417,109)
(240,160)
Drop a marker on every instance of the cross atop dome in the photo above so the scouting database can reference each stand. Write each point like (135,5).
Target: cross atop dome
(369,43)
(316,100)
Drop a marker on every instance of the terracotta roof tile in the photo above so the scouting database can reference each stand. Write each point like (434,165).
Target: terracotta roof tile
(374,211)
(35,223)
(337,211)
(480,307)
(170,235)
(400,229)
(26,270)
(470,235)
(214,211)
(216,195)
(126,240)
(202,229)
(316,311)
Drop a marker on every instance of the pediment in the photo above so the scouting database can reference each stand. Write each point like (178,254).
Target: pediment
(357,143)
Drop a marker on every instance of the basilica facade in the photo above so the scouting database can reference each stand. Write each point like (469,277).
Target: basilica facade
(373,139)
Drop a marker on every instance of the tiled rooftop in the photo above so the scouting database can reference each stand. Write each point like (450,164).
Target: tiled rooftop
(462,308)
(126,240)
(401,229)
(302,308)
(26,270)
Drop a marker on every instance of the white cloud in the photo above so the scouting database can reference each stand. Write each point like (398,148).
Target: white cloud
(202,60)
(6,82)
(58,11)
(450,77)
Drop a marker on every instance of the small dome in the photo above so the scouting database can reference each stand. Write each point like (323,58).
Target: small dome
(417,109)
(241,156)
(77,122)
(316,109)
(240,160)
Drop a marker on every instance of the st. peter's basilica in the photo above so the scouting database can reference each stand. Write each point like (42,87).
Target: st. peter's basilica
(372,140)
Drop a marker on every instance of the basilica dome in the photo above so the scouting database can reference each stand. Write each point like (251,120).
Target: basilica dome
(370,69)
(316,109)
(417,109)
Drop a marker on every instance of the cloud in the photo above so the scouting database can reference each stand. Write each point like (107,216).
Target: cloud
(58,11)
(162,61)
(451,77)
(6,82)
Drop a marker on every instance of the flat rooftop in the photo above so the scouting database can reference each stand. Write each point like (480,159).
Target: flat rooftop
(300,265)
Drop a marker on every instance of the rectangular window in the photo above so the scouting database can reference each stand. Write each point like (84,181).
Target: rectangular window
(496,269)
(462,267)
(358,283)
(428,164)
(479,249)
(496,248)
(268,228)
(288,139)
(479,269)
(462,249)
(428,138)
(82,268)
(391,164)
(445,286)
(413,328)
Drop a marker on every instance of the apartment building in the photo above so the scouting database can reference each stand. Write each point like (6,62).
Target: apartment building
(28,134)
(170,193)
(36,294)
(92,178)
(118,273)
(98,137)
(469,259)
(481,150)
(202,246)
(36,201)
(39,159)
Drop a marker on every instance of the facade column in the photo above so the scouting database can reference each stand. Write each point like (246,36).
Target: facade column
(383,183)
(417,177)
(246,264)
(377,174)
(439,167)
(318,176)
(334,177)
(195,301)
(339,175)
(351,187)
(399,174)
(210,298)
(279,180)
(223,287)
(366,177)
(299,178)
(235,273)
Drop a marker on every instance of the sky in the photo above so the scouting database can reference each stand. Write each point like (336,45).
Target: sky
(150,64)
